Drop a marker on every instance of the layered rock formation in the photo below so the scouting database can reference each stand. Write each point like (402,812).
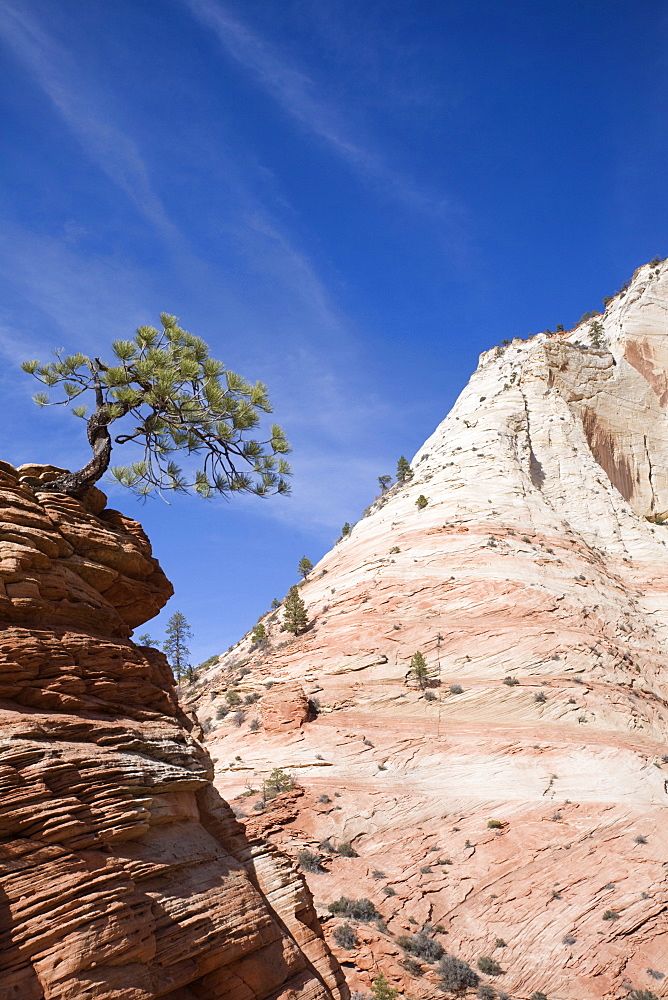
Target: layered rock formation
(519,802)
(123,874)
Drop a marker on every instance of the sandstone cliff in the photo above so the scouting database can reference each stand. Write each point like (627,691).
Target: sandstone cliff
(535,583)
(123,875)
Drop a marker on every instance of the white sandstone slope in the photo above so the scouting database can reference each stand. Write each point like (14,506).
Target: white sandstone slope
(533,562)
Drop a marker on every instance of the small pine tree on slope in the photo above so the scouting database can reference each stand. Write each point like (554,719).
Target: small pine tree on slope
(295,619)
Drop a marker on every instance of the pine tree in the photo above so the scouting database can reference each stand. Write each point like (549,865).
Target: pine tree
(419,671)
(175,649)
(305,566)
(404,471)
(177,399)
(275,604)
(346,529)
(259,633)
(147,640)
(295,619)
(421,502)
(384,482)
(381,989)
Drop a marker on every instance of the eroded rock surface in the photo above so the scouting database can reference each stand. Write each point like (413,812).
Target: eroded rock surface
(535,583)
(123,874)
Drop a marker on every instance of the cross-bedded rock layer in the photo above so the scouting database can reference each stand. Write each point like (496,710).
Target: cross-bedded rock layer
(123,874)
(535,582)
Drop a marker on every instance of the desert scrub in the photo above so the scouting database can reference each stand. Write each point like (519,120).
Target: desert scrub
(422,946)
(232,698)
(511,681)
(455,973)
(540,697)
(429,696)
(346,850)
(610,915)
(309,861)
(456,689)
(489,966)
(357,909)
(494,824)
(345,937)
(412,967)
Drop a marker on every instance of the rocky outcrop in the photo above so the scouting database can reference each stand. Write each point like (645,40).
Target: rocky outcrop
(517,803)
(123,874)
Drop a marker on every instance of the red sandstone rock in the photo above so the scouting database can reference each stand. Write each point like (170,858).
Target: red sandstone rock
(123,874)
(534,560)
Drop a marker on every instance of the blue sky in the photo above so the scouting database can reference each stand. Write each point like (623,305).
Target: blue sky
(348,201)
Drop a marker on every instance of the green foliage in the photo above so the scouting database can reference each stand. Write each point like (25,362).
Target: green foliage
(495,824)
(642,995)
(175,649)
(419,671)
(277,782)
(177,399)
(346,850)
(421,502)
(537,995)
(395,550)
(275,604)
(295,619)
(404,471)
(384,482)
(232,698)
(146,640)
(259,633)
(305,567)
(209,662)
(346,529)
(381,989)
(596,334)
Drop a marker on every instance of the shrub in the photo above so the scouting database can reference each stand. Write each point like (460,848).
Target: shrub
(422,946)
(314,707)
(499,943)
(308,861)
(395,550)
(221,711)
(358,909)
(537,995)
(486,992)
(207,726)
(239,717)
(389,891)
(377,873)
(421,502)
(411,966)
(494,824)
(324,798)
(381,989)
(259,633)
(345,937)
(489,966)
(429,696)
(251,698)
(640,839)
(456,689)
(277,782)
(568,939)
(254,725)
(511,681)
(232,698)
(540,697)
(426,869)
(642,995)
(346,850)
(455,974)
(610,915)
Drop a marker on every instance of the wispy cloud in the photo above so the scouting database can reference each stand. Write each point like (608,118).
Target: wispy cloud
(296,93)
(54,69)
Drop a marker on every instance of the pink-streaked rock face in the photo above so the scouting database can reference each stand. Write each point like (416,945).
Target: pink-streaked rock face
(537,590)
(123,874)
